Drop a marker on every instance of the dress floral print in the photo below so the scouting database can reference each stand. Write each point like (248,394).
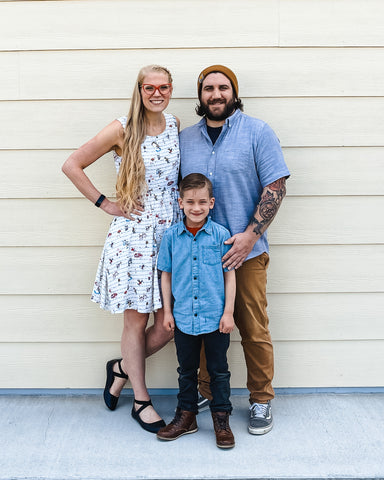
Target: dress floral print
(127,276)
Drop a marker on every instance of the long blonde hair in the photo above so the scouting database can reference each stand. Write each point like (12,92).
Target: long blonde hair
(131,184)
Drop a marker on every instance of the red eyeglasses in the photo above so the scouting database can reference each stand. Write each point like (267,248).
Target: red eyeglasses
(164,89)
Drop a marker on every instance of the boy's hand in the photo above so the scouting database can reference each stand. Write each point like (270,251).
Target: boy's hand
(169,322)
(227,324)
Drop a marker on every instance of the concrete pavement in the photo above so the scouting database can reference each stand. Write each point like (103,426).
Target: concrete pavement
(57,437)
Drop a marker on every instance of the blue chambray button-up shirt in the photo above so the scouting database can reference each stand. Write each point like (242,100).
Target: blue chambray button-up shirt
(197,275)
(244,159)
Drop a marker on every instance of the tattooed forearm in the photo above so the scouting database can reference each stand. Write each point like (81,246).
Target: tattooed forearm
(268,206)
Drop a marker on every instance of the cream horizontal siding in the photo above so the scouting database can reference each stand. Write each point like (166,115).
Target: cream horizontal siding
(312,69)
(295,268)
(135,24)
(66,318)
(119,24)
(311,167)
(266,72)
(332,23)
(298,364)
(337,121)
(296,224)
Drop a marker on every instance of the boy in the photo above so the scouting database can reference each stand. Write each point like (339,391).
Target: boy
(203,295)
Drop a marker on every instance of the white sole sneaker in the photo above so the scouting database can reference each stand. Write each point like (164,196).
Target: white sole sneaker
(260,430)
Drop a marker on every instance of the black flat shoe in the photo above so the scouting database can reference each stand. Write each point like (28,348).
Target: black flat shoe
(153,427)
(109,399)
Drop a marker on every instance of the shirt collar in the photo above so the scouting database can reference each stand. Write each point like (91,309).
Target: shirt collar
(207,227)
(228,121)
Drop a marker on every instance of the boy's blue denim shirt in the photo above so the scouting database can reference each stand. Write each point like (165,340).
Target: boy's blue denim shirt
(197,275)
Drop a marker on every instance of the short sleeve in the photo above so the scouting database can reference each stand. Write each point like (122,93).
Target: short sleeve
(122,120)
(164,259)
(270,162)
(225,248)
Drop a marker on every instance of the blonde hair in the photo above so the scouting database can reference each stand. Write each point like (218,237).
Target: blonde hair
(131,184)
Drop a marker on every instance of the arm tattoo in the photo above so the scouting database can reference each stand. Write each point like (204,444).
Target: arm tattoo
(268,206)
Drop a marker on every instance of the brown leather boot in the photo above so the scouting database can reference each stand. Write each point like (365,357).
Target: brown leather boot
(183,423)
(224,435)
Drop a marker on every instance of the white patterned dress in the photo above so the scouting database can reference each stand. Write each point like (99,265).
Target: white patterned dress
(127,276)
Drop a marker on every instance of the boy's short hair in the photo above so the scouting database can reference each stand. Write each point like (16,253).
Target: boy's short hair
(194,181)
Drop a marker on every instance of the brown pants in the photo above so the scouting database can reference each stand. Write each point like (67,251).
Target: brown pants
(252,321)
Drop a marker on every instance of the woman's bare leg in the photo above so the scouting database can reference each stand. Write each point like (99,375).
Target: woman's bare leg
(156,337)
(137,343)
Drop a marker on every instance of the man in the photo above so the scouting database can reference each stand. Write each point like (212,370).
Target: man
(242,157)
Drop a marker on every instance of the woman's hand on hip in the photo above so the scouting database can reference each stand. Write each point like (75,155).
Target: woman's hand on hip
(114,209)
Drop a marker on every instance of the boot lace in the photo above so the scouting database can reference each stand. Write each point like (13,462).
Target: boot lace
(222,422)
(176,418)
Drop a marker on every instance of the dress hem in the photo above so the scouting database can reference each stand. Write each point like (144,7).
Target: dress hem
(105,308)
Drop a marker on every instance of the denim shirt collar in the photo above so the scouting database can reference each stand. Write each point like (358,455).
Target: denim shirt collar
(207,227)
(228,121)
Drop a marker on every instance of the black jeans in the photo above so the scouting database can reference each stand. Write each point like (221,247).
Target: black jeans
(188,354)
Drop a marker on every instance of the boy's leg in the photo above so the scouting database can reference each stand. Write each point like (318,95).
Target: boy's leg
(203,378)
(216,346)
(188,355)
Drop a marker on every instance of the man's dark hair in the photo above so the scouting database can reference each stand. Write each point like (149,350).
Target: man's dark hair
(194,181)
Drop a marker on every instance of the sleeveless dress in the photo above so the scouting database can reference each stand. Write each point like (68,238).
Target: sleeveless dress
(127,276)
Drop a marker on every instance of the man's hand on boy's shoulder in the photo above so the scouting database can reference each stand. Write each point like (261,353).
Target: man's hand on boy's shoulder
(169,322)
(227,323)
(242,244)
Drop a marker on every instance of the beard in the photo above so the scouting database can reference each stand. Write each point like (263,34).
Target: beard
(227,112)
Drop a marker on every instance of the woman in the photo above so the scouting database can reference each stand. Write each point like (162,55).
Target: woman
(146,152)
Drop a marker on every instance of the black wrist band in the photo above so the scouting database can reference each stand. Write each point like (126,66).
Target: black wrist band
(100,200)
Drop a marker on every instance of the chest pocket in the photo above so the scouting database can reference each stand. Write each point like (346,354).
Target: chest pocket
(238,160)
(212,255)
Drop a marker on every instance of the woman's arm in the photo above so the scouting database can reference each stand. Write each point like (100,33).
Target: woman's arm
(110,138)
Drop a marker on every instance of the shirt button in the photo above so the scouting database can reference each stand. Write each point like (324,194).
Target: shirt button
(210,174)
(195,298)
(195,314)
(213,153)
(195,278)
(194,258)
